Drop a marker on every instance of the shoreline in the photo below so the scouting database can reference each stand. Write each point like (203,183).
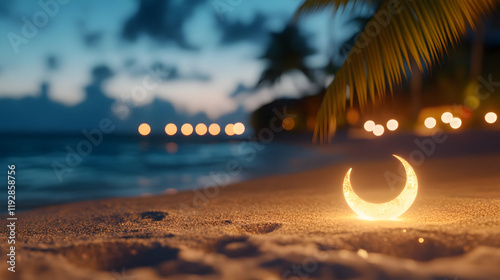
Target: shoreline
(343,151)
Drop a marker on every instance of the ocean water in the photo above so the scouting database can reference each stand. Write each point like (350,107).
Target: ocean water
(51,170)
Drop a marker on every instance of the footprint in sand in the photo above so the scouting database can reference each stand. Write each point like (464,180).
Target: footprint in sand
(154,215)
(261,228)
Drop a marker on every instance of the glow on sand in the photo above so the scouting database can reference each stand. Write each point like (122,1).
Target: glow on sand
(388,210)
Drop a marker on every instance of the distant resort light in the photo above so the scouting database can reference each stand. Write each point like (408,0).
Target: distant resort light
(352,116)
(472,102)
(430,122)
(201,129)
(187,129)
(238,128)
(447,117)
(392,125)
(369,125)
(229,129)
(491,118)
(214,129)
(170,129)
(378,130)
(456,123)
(144,129)
(288,124)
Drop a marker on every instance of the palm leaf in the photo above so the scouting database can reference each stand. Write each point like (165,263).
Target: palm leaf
(420,29)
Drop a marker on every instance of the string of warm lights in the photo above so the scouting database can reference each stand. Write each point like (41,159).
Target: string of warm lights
(456,122)
(200,129)
(430,123)
(378,129)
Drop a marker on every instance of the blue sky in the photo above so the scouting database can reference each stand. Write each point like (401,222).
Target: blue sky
(212,47)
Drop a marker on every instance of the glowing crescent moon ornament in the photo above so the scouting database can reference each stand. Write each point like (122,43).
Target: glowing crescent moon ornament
(388,210)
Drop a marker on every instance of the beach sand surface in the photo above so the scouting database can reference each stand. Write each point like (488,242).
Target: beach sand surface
(290,226)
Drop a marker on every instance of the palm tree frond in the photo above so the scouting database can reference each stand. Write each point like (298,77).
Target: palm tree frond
(421,30)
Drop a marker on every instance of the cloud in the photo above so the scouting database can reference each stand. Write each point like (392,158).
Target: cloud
(101,73)
(52,62)
(188,97)
(129,63)
(176,74)
(254,31)
(241,88)
(162,21)
(194,96)
(92,39)
(172,72)
(16,85)
(6,9)
(292,85)
(51,115)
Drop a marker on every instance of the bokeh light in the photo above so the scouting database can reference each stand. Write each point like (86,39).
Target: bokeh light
(170,129)
(446,117)
(378,130)
(369,126)
(472,102)
(491,117)
(392,125)
(288,124)
(456,123)
(229,129)
(238,128)
(430,122)
(144,129)
(187,129)
(352,116)
(201,129)
(214,129)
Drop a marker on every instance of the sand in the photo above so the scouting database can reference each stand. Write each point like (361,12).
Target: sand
(291,226)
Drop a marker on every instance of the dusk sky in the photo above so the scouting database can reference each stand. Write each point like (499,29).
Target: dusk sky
(209,49)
